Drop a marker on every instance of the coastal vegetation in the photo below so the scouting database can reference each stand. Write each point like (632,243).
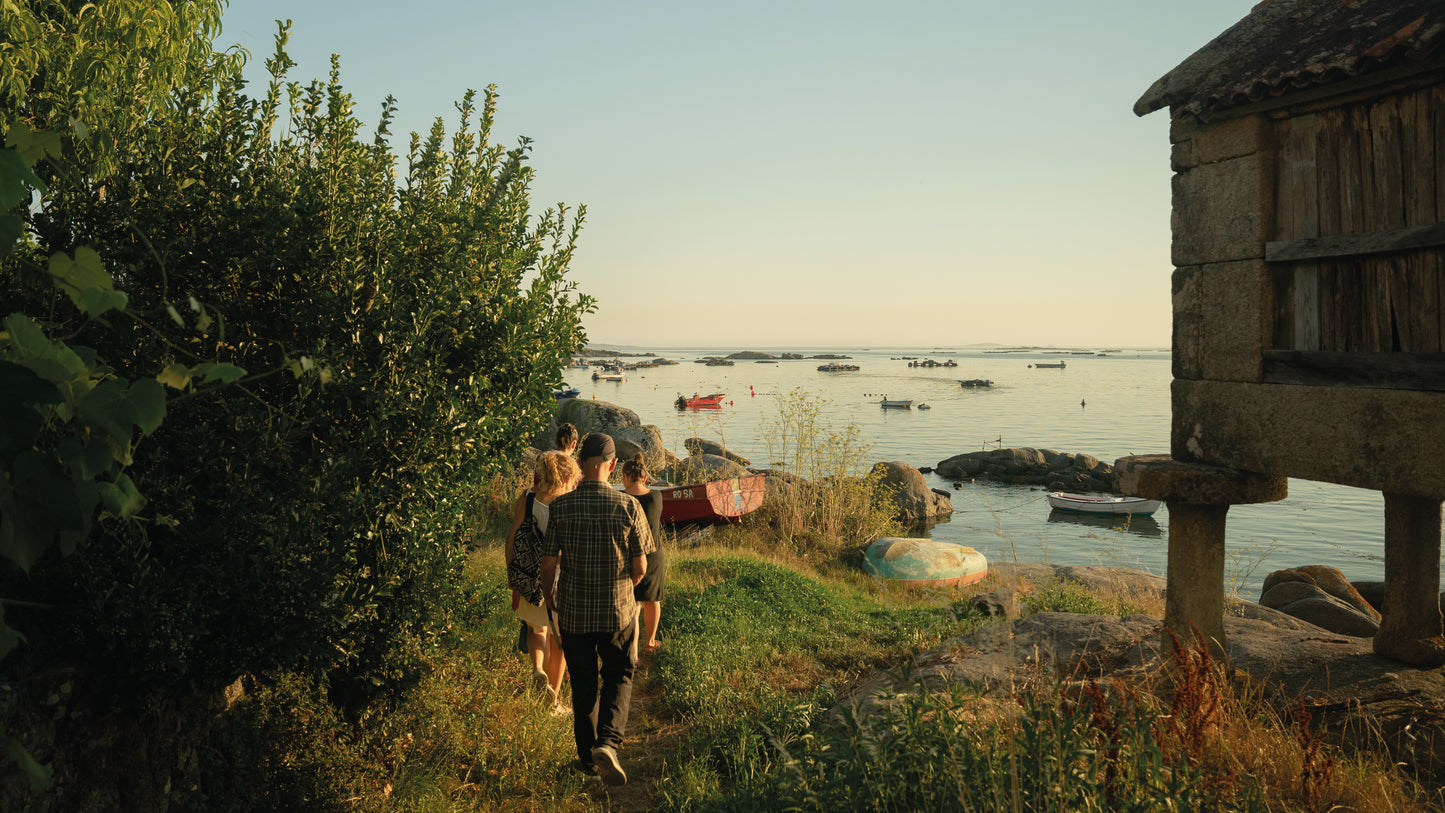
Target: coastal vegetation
(269,391)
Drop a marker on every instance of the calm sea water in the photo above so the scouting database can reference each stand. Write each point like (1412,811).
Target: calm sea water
(1108,407)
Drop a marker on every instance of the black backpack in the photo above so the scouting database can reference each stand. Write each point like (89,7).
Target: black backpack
(524,572)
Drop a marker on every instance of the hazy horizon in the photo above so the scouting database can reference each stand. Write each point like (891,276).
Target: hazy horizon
(812,174)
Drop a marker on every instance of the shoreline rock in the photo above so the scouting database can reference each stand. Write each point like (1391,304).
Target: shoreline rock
(1058,471)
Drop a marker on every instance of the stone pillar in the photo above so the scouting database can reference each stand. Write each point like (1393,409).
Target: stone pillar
(1198,497)
(1411,629)
(1195,593)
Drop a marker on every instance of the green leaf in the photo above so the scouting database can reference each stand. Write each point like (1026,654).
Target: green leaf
(176,376)
(11,229)
(9,638)
(96,301)
(85,280)
(108,408)
(16,180)
(32,145)
(121,497)
(149,398)
(219,371)
(39,775)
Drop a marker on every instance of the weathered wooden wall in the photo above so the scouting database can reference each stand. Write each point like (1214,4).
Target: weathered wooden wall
(1357,251)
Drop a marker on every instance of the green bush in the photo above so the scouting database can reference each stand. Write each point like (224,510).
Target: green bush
(404,326)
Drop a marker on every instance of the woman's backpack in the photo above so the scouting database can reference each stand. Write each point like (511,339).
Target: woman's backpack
(524,572)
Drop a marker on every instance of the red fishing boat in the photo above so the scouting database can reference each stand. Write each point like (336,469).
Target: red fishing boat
(713,400)
(716,501)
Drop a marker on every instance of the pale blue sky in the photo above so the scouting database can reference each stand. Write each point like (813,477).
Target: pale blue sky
(788,174)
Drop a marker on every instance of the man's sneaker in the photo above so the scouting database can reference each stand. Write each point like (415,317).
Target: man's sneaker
(607,765)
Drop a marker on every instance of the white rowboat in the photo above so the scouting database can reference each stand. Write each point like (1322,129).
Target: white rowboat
(1090,504)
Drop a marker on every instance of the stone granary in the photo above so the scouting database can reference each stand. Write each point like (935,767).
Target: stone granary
(1309,253)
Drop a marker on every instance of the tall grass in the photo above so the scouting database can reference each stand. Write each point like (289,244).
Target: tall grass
(825,498)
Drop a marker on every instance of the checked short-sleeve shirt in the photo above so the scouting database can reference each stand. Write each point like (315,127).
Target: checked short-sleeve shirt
(596,531)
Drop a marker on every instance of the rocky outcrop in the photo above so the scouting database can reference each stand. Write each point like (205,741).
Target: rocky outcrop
(912,499)
(1309,603)
(701,468)
(647,440)
(1356,698)
(1321,595)
(595,416)
(1057,471)
(701,446)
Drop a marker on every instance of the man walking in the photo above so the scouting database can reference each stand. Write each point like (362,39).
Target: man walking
(600,539)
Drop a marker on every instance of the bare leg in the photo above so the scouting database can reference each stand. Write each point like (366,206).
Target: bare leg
(537,651)
(651,617)
(556,665)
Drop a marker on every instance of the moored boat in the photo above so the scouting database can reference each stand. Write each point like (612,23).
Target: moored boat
(609,376)
(895,404)
(1095,504)
(924,562)
(712,400)
(570,392)
(1044,365)
(713,502)
(974,383)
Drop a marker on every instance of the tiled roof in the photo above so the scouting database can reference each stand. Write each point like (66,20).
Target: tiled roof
(1284,45)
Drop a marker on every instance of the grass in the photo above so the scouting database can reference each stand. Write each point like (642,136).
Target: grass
(759,649)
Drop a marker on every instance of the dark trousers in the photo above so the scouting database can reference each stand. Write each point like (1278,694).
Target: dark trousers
(599,714)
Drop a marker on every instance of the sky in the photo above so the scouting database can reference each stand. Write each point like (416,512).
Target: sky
(792,173)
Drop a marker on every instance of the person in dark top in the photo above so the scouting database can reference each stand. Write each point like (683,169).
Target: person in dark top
(599,539)
(649,591)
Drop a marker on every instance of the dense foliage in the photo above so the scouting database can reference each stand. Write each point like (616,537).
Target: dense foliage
(341,349)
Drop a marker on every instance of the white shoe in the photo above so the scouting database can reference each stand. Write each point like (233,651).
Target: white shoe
(605,758)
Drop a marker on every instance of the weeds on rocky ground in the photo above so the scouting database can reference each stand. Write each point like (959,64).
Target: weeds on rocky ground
(824,496)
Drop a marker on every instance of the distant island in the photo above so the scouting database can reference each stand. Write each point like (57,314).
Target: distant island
(758,355)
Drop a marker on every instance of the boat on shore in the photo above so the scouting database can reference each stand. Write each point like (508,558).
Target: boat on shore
(1095,504)
(924,562)
(713,502)
(696,401)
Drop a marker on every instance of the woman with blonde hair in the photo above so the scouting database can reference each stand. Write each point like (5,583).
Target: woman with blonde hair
(556,474)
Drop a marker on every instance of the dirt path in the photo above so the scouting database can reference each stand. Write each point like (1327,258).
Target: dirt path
(650,741)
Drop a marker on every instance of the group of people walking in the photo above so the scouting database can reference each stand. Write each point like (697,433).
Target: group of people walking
(587,575)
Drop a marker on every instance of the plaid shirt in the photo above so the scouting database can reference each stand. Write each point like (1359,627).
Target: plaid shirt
(596,531)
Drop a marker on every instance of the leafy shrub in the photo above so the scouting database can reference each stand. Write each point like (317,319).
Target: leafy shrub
(410,322)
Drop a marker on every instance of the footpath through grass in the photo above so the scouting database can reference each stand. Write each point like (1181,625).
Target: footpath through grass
(736,713)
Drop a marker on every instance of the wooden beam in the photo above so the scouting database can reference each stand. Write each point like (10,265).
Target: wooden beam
(1423,372)
(1354,245)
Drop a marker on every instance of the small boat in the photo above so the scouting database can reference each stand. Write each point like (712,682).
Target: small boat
(924,562)
(609,376)
(713,502)
(684,402)
(895,404)
(973,383)
(1043,365)
(835,367)
(1092,504)
(571,392)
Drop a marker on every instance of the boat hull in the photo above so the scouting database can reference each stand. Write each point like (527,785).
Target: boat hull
(703,401)
(713,502)
(924,562)
(1088,504)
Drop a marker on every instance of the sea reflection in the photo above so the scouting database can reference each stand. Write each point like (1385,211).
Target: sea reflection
(1125,523)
